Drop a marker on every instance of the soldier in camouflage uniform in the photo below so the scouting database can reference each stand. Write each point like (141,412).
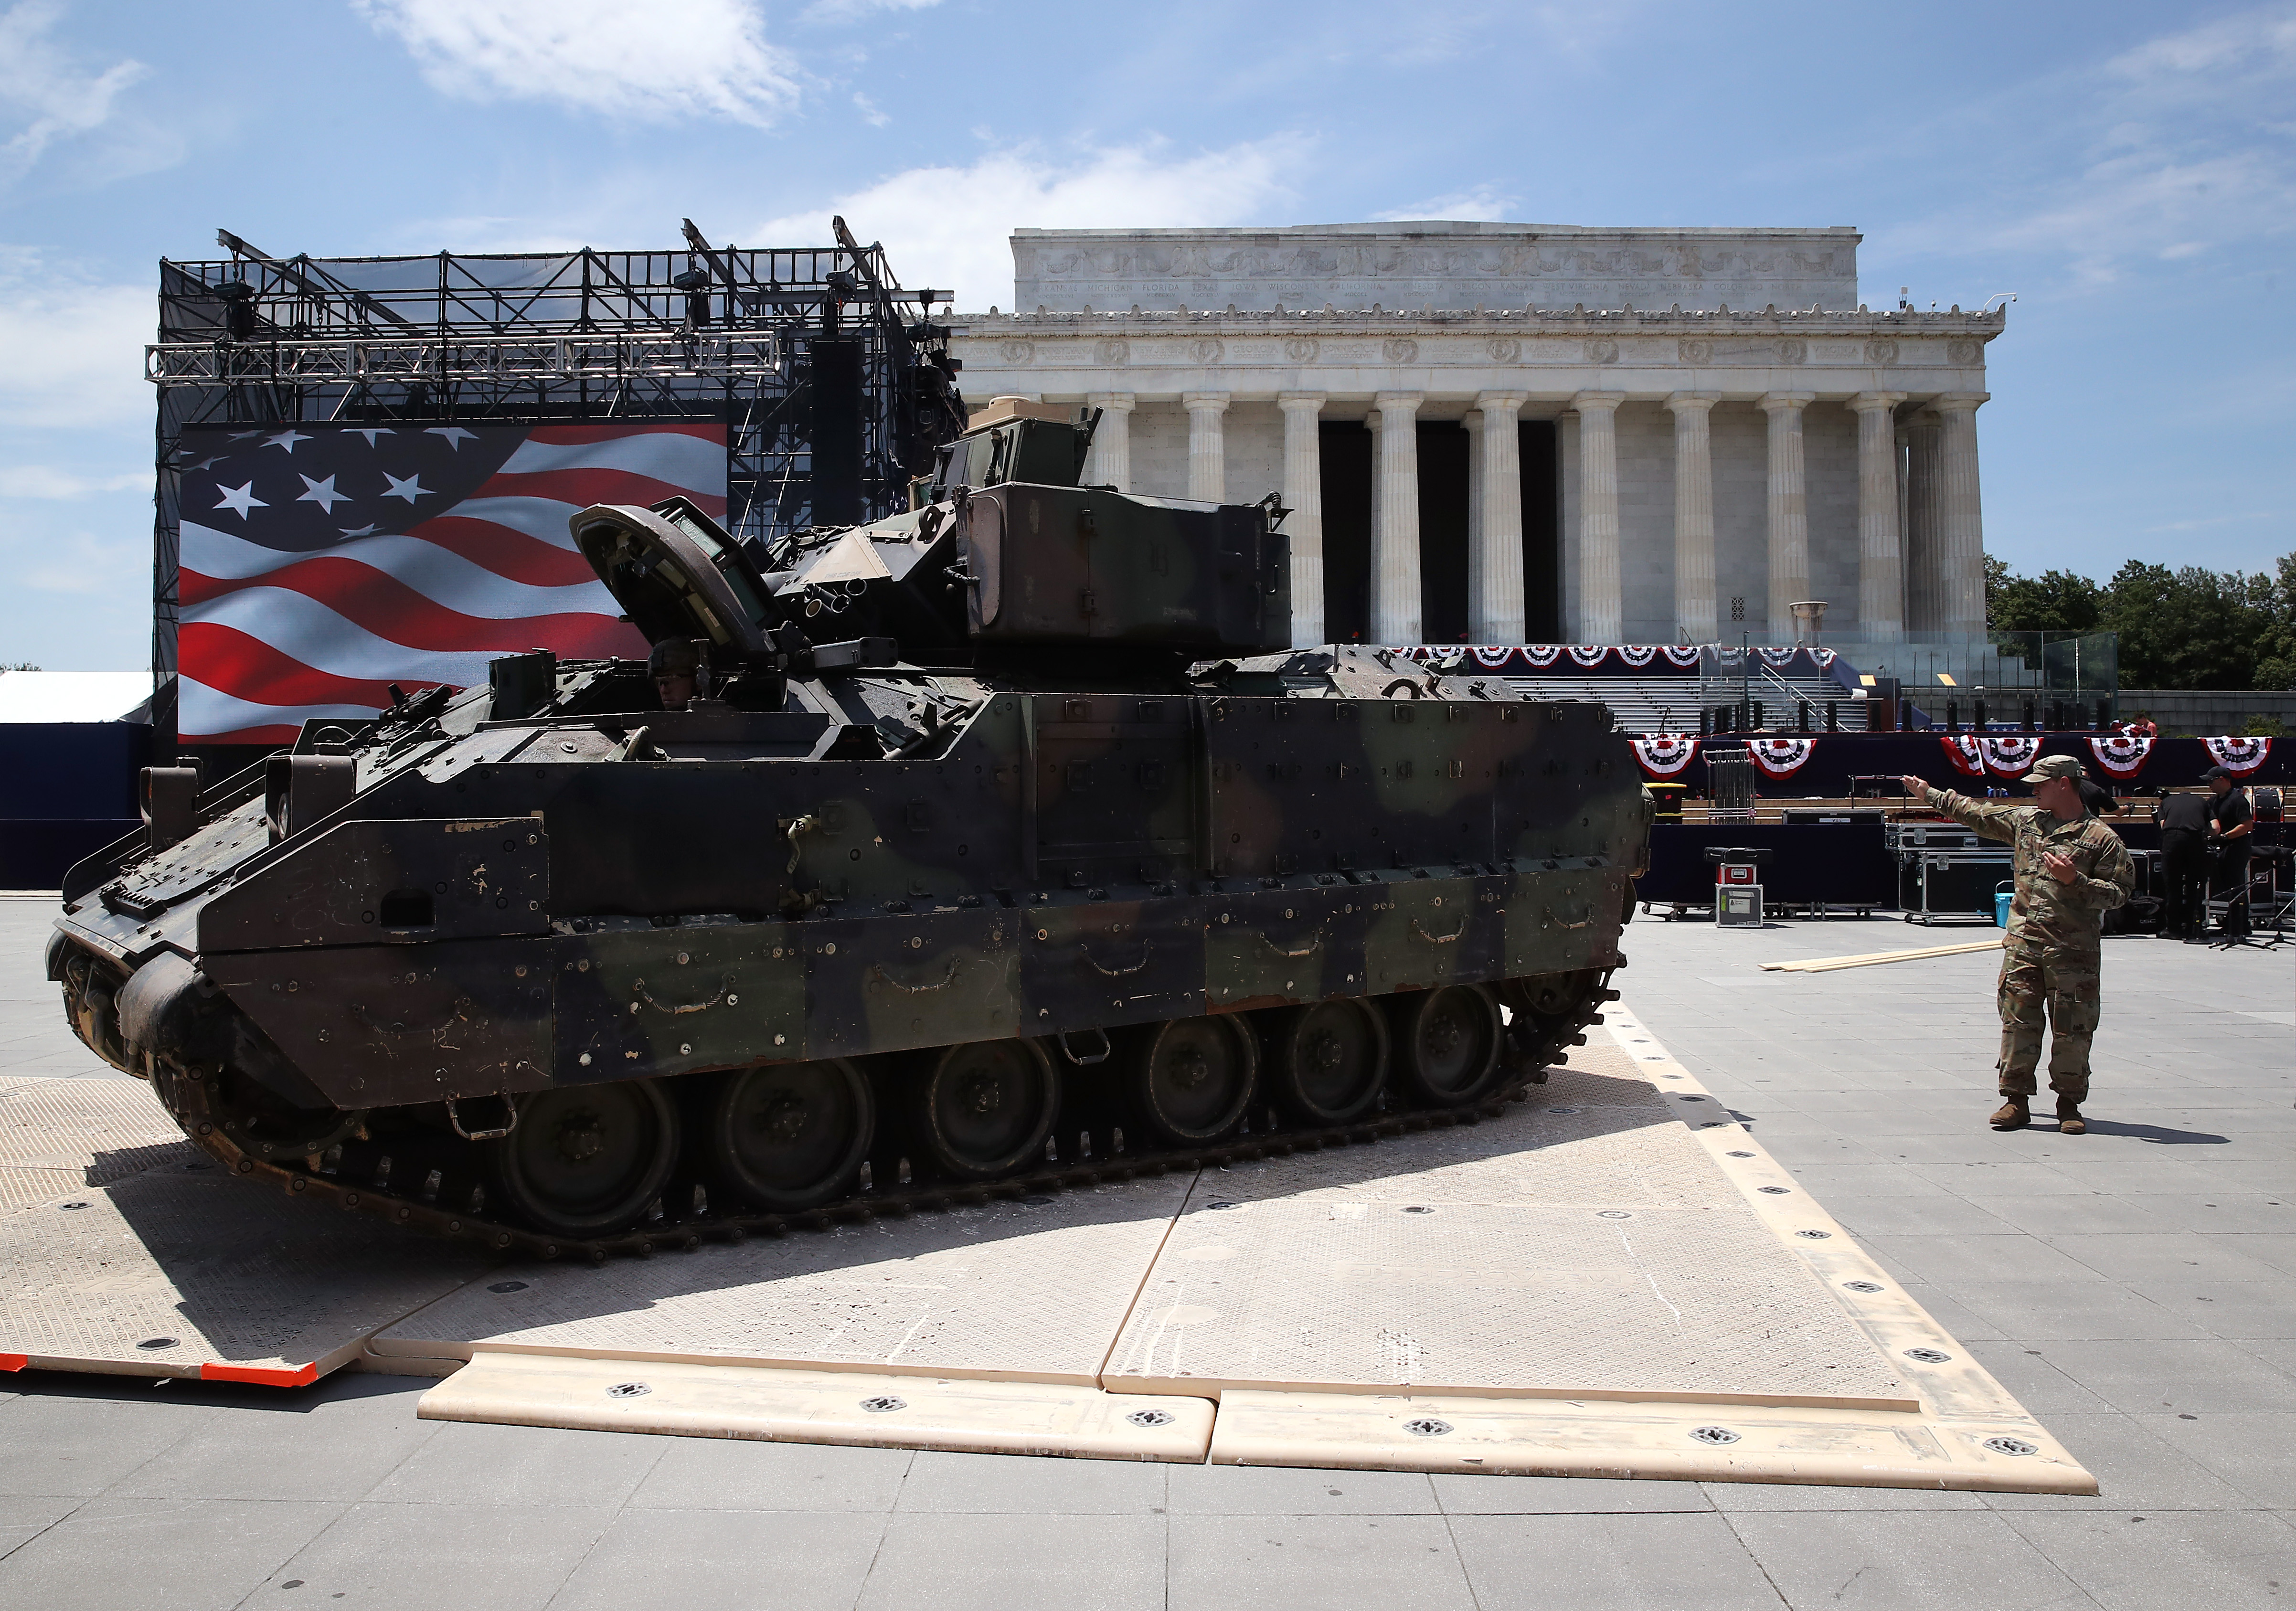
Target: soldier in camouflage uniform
(2070,870)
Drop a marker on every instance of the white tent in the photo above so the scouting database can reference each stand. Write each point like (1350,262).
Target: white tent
(75,696)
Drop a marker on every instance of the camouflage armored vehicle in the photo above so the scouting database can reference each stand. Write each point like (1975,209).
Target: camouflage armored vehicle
(1000,844)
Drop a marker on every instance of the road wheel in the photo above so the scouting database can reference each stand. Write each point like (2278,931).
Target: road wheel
(585,1160)
(984,1109)
(1327,1061)
(1191,1081)
(1447,1045)
(786,1137)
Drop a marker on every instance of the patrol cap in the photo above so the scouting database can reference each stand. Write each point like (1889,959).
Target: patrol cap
(674,658)
(2053,766)
(2214,773)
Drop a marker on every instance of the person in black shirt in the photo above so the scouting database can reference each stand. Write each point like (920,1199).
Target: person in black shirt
(2231,821)
(2184,819)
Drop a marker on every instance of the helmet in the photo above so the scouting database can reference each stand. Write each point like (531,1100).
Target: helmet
(676,657)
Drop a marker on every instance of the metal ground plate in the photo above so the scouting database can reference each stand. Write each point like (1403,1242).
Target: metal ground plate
(1034,1289)
(1612,1279)
(182,1271)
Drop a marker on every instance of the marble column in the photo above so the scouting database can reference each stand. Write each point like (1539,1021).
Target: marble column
(1111,460)
(1494,590)
(1961,558)
(1788,512)
(1923,532)
(1394,598)
(1207,445)
(1472,422)
(1881,556)
(1693,516)
(1303,495)
(1378,479)
(1602,606)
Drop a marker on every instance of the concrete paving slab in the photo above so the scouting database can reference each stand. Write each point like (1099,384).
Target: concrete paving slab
(1023,1484)
(336,1445)
(1017,1562)
(695,1560)
(1405,1562)
(1918,1562)
(2139,1562)
(1643,1563)
(473,1555)
(159,1555)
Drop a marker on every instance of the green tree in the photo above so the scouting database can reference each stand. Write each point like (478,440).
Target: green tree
(2055,600)
(2187,628)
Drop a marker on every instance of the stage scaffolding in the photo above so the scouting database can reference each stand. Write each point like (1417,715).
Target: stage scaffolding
(834,383)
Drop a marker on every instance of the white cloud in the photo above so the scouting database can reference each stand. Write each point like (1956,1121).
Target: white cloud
(2177,149)
(949,226)
(658,63)
(869,113)
(75,352)
(853,11)
(39,79)
(1480,205)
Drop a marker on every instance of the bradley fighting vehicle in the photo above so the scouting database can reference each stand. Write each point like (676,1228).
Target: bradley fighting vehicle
(1002,844)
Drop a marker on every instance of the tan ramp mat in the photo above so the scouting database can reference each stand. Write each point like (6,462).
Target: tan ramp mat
(1585,1246)
(1542,1437)
(57,1136)
(820,1407)
(182,1271)
(1034,1289)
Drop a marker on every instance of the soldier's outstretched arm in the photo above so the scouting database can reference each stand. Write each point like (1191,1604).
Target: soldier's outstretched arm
(1989,818)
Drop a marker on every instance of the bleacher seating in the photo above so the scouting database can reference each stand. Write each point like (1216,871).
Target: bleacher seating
(1645,704)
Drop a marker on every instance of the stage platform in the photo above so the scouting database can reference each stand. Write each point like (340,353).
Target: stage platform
(1613,1280)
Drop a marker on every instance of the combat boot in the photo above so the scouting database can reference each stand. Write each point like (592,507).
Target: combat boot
(2011,1115)
(2068,1118)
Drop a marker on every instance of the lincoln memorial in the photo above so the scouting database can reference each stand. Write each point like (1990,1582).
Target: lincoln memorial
(1502,433)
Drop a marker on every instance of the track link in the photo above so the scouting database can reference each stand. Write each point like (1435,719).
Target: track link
(188,1096)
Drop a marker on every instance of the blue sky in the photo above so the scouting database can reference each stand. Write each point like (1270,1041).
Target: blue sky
(2129,171)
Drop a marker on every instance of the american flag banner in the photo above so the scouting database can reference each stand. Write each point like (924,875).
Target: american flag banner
(322,563)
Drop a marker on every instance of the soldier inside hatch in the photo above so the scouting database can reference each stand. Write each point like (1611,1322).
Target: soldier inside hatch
(678,669)
(2070,870)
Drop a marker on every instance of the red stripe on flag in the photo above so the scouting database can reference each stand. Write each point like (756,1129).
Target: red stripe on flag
(512,555)
(584,488)
(247,735)
(576,436)
(390,609)
(229,661)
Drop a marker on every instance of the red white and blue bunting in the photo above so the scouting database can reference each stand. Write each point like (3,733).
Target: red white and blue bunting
(2239,756)
(1637,655)
(1590,655)
(1781,757)
(1542,655)
(2121,754)
(1962,750)
(2010,757)
(1664,754)
(1685,655)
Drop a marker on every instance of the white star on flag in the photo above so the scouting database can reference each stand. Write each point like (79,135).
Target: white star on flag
(455,434)
(371,431)
(364,531)
(239,500)
(323,494)
(287,439)
(409,489)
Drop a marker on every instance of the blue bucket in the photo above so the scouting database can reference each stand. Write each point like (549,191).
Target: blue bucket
(2001,899)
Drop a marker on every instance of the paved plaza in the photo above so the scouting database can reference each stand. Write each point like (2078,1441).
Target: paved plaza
(2132,1288)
